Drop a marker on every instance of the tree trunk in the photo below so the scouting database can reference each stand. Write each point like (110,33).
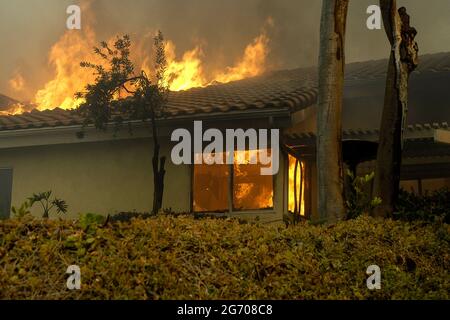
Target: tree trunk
(159,172)
(329,124)
(402,61)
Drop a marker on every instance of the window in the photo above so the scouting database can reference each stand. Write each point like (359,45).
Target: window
(5,192)
(210,187)
(215,185)
(296,195)
(251,190)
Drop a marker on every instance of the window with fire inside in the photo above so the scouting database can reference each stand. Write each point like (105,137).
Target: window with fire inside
(223,188)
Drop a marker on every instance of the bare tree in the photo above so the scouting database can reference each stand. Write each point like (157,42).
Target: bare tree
(329,124)
(403,60)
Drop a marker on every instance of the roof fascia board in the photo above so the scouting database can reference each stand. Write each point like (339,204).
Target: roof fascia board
(140,129)
(67,135)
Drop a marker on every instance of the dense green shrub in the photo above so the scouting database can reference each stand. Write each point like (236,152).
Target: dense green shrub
(127,216)
(429,207)
(167,257)
(22,211)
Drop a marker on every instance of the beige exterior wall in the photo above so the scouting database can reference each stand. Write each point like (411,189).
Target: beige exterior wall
(108,177)
(99,177)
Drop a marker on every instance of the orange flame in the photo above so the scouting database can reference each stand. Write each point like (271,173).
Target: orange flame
(14,109)
(66,55)
(188,72)
(184,74)
(251,64)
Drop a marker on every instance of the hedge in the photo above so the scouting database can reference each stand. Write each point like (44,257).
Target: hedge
(181,257)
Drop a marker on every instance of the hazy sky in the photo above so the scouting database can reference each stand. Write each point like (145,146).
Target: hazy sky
(28,29)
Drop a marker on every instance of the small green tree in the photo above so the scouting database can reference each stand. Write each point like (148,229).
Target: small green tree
(47,204)
(359,200)
(146,99)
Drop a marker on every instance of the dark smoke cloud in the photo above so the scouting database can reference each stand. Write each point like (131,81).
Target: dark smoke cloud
(224,28)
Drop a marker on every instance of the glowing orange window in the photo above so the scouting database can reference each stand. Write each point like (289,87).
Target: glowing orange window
(210,187)
(251,190)
(296,195)
(214,185)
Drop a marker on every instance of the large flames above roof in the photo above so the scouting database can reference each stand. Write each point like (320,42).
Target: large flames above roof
(183,72)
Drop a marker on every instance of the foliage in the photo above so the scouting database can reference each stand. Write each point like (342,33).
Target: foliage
(291,218)
(102,101)
(127,216)
(22,211)
(359,200)
(47,204)
(429,207)
(88,221)
(167,257)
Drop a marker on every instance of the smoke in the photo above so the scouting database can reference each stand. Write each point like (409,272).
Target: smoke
(223,29)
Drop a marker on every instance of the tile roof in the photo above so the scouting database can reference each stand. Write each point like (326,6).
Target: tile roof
(292,89)
(419,140)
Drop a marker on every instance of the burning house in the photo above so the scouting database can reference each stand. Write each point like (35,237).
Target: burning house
(107,172)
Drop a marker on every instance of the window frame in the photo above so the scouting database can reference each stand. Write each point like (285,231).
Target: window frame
(230,190)
(307,192)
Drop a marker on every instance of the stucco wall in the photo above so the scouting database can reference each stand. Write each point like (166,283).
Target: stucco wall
(100,177)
